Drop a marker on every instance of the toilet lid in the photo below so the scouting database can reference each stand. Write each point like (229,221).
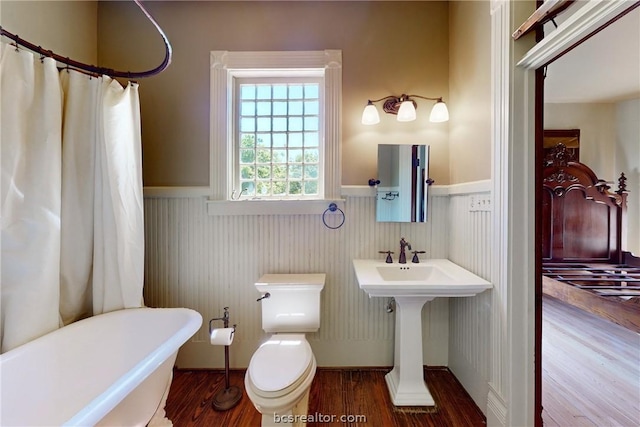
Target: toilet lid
(279,362)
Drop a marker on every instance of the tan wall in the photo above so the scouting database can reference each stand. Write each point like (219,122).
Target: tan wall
(388,48)
(69,28)
(628,161)
(470,91)
(597,132)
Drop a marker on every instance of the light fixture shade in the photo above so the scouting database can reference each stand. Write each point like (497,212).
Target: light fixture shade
(439,113)
(407,111)
(370,115)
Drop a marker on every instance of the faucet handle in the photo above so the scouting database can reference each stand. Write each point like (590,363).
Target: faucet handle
(415,259)
(389,260)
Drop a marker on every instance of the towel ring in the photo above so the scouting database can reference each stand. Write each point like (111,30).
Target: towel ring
(332,208)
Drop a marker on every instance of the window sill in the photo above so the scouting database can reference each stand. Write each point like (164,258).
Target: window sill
(270,207)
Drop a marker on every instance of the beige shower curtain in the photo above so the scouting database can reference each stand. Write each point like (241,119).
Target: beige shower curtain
(72,221)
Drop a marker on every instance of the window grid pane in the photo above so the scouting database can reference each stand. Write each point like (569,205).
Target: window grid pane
(279,155)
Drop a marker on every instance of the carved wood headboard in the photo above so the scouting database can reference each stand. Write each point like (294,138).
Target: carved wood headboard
(582,220)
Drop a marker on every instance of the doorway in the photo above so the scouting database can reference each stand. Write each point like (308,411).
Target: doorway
(594,155)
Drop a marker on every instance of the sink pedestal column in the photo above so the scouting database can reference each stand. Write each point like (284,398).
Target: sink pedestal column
(406,380)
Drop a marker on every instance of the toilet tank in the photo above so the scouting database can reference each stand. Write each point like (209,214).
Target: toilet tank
(294,304)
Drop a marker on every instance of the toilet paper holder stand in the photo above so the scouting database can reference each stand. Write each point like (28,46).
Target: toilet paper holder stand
(225,320)
(230,396)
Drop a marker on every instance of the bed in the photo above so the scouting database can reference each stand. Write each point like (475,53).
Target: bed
(583,241)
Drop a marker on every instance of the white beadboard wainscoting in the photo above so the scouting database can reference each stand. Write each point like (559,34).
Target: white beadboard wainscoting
(470,318)
(208,262)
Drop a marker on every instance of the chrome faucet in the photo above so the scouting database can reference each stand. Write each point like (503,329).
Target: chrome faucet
(403,256)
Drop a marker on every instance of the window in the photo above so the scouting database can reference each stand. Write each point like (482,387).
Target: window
(278,139)
(275,131)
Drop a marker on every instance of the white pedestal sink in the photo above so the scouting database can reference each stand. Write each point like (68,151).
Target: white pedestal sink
(413,285)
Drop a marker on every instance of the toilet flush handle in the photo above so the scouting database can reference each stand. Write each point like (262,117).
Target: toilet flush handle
(266,295)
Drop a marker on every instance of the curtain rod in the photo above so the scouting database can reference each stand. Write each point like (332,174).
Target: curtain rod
(547,12)
(100,70)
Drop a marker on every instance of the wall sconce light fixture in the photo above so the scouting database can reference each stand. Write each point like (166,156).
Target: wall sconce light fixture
(404,107)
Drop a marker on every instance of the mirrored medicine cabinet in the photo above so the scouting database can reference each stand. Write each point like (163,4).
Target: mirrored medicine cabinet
(403,172)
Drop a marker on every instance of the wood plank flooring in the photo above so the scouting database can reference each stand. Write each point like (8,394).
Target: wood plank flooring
(624,313)
(334,392)
(591,377)
(590,369)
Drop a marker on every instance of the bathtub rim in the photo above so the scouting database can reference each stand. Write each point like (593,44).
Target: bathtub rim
(110,398)
(106,401)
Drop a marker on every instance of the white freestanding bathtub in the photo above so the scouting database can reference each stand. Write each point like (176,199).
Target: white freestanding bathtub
(113,369)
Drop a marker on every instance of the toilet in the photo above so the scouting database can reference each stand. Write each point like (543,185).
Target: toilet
(282,369)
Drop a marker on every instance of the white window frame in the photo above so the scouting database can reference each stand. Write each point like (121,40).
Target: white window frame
(225,66)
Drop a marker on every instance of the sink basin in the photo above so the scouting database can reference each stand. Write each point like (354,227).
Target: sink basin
(412,286)
(429,278)
(425,273)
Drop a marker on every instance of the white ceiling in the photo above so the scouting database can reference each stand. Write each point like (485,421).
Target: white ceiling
(605,68)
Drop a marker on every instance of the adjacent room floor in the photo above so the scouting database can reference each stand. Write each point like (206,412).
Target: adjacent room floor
(590,369)
(359,395)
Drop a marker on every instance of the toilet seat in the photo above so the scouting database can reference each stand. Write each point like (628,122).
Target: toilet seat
(280,365)
(282,401)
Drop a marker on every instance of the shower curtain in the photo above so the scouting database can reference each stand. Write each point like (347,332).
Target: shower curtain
(71,193)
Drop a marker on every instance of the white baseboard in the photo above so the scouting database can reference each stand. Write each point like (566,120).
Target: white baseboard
(328,353)
(496,409)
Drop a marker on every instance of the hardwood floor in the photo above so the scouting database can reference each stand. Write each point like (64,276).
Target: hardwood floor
(590,369)
(335,392)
